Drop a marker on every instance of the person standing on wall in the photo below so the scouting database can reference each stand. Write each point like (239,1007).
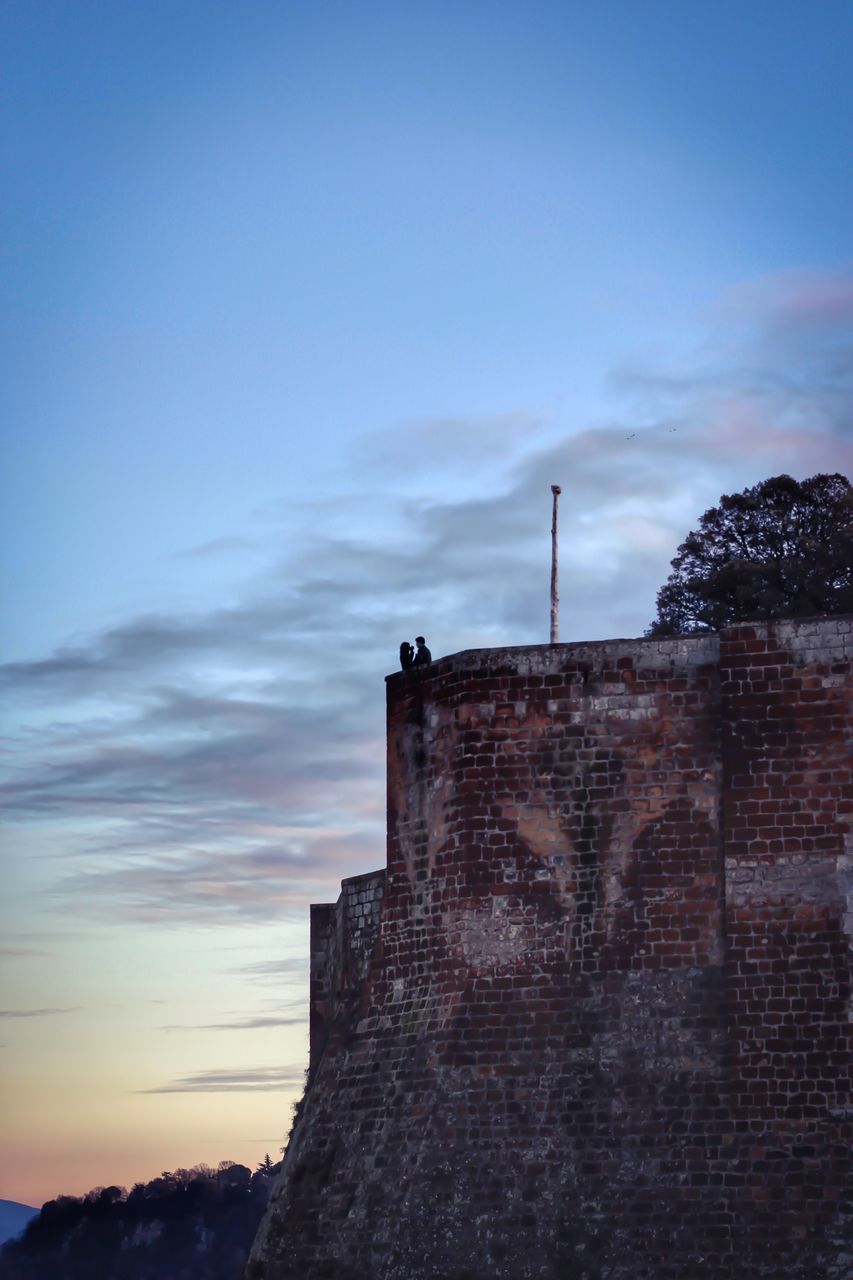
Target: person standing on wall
(423,657)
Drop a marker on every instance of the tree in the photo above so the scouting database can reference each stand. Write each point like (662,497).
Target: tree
(782,549)
(189,1224)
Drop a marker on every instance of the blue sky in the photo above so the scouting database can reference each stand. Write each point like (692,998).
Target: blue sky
(304,308)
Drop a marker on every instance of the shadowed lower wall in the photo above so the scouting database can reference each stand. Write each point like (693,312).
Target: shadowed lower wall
(593,1020)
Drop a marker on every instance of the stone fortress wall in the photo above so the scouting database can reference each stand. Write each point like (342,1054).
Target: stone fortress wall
(593,1023)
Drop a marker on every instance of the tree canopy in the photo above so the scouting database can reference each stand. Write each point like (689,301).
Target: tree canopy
(188,1224)
(781,549)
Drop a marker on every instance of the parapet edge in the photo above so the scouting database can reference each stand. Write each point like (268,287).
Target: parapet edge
(690,650)
(550,659)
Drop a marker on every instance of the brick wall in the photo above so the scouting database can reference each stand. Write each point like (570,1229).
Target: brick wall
(343,935)
(787,804)
(595,1026)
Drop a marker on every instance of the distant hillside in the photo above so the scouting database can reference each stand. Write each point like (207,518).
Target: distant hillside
(191,1224)
(13,1218)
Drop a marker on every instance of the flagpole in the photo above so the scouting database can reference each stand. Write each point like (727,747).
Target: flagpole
(555,581)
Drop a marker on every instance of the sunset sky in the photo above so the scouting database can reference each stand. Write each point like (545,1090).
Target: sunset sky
(304,307)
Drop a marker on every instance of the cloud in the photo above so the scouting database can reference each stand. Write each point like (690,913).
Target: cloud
(186,748)
(279,1013)
(241,1080)
(799,300)
(775,373)
(258,1023)
(447,446)
(207,887)
(217,547)
(37,1013)
(272,971)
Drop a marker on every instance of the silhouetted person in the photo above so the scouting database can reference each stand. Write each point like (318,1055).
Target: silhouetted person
(407,655)
(423,657)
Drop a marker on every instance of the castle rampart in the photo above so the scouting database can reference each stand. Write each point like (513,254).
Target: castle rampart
(595,1024)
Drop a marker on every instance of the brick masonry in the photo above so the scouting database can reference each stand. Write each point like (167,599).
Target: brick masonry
(593,1023)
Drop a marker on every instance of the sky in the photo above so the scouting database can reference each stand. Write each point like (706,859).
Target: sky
(304,308)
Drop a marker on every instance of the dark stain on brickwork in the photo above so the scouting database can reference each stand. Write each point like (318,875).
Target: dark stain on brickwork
(592,1022)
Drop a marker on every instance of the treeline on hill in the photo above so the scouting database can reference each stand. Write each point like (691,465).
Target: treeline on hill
(192,1224)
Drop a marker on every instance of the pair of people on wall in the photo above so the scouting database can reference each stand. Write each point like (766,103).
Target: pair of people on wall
(409,657)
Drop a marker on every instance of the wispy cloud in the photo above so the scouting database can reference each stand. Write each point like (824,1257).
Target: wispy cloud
(279,1013)
(273,971)
(266,882)
(799,299)
(241,1080)
(37,1013)
(242,1024)
(218,547)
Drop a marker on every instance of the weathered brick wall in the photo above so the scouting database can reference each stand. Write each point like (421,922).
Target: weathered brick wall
(570,1053)
(343,936)
(787,804)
